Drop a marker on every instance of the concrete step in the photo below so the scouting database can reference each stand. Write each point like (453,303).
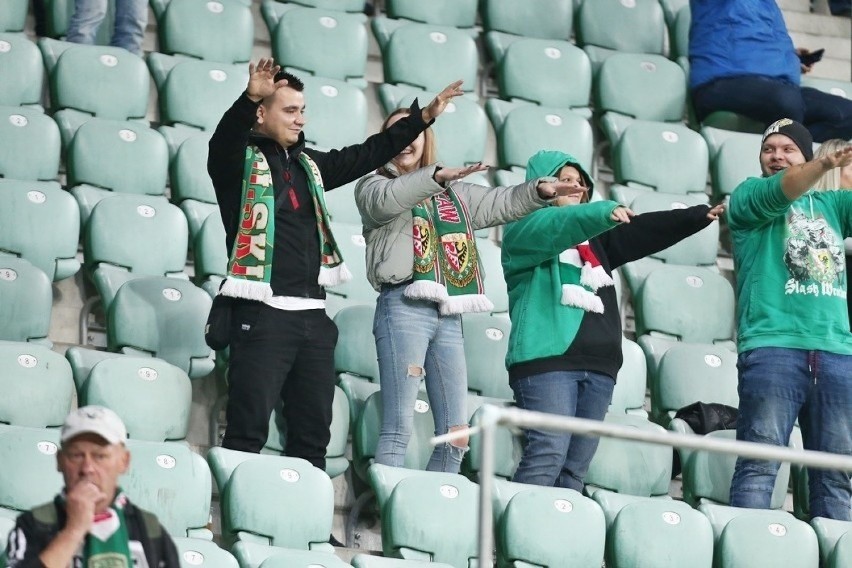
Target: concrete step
(818,24)
(795,5)
(836,62)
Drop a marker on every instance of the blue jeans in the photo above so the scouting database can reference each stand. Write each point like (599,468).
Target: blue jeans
(131,17)
(765,100)
(776,385)
(560,459)
(414,342)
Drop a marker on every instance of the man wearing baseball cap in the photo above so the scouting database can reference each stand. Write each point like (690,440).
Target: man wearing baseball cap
(91,524)
(794,344)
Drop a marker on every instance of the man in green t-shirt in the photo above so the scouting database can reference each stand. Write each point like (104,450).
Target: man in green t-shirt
(795,348)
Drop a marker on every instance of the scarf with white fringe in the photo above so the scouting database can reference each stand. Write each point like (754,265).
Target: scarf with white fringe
(582,275)
(250,264)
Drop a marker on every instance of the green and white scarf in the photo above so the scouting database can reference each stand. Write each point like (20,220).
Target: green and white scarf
(108,543)
(446,263)
(250,263)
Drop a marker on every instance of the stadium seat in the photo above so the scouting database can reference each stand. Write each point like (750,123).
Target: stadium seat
(203,553)
(129,236)
(26,299)
(193,94)
(734,122)
(211,257)
(340,204)
(37,385)
(663,533)
(829,532)
(492,275)
(29,476)
(690,373)
(336,462)
(633,86)
(506,21)
(21,70)
(362,560)
(537,519)
(462,132)
(192,188)
(548,72)
(174,483)
(453,13)
(83,360)
(209,22)
(13,15)
(355,359)
(842,554)
(679,33)
(508,449)
(690,304)
(352,247)
(338,44)
(337,113)
(831,86)
(137,158)
(486,339)
(22,129)
(524,129)
(443,55)
(163,317)
(671,9)
(628,397)
(40,223)
(664,157)
(608,26)
(290,558)
(151,396)
(445,502)
(58,14)
(734,163)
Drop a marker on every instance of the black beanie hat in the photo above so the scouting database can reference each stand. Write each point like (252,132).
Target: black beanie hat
(795,132)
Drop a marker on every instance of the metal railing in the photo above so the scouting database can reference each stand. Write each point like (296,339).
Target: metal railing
(493,417)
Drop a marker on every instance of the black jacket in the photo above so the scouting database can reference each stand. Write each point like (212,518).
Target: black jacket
(296,264)
(35,530)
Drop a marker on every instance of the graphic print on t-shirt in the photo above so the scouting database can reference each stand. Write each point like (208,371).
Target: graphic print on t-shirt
(814,258)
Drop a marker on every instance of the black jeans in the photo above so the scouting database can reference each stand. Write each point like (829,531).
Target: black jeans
(766,100)
(287,354)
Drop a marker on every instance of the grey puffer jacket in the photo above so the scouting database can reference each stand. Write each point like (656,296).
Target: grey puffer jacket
(385,205)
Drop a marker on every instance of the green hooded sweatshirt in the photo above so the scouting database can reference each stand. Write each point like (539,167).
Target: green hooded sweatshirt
(790,266)
(541,325)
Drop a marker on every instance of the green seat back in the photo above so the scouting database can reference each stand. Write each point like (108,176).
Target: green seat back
(756,541)
(549,72)
(341,206)
(197,28)
(486,340)
(41,223)
(829,532)
(455,13)
(355,352)
(188,171)
(832,86)
(137,157)
(696,250)
(735,162)
(37,384)
(286,500)
(211,256)
(693,372)
(283,558)
(26,299)
(636,27)
(28,477)
(643,86)
(354,250)
(197,93)
(171,481)
(680,22)
(630,384)
(151,396)
(508,448)
(338,43)
(21,130)
(22,69)
(489,255)
(223,462)
(663,533)
(13,15)
(362,560)
(842,554)
(121,77)
(538,518)
(550,19)
(672,8)
(443,55)
(626,466)
(691,303)
(164,317)
(356,6)
(203,553)
(338,113)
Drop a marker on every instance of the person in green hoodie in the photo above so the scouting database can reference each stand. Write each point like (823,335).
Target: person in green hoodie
(565,345)
(793,337)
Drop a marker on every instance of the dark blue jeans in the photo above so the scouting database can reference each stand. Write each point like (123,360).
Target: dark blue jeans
(776,385)
(766,100)
(560,459)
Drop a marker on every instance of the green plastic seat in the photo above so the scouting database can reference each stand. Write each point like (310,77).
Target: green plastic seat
(211,256)
(734,163)
(605,27)
(454,13)
(492,275)
(29,476)
(173,482)
(758,540)
(339,43)
(362,560)
(486,339)
(13,15)
(340,204)
(830,86)
(672,8)
(732,121)
(37,384)
(83,360)
(203,553)
(355,359)
(679,22)
(192,188)
(445,502)
(163,317)
(196,28)
(152,397)
(26,299)
(842,554)
(462,132)
(829,532)
(22,129)
(22,70)
(443,54)
(506,21)
(687,304)
(58,14)
(659,533)
(138,158)
(279,558)
(508,449)
(354,250)
(529,66)
(338,112)
(336,462)
(41,223)
(350,6)
(629,394)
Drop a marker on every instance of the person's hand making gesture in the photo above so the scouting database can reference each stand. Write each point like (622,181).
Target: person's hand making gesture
(439,103)
(261,82)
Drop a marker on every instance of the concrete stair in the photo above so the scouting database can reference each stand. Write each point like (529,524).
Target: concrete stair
(819,29)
